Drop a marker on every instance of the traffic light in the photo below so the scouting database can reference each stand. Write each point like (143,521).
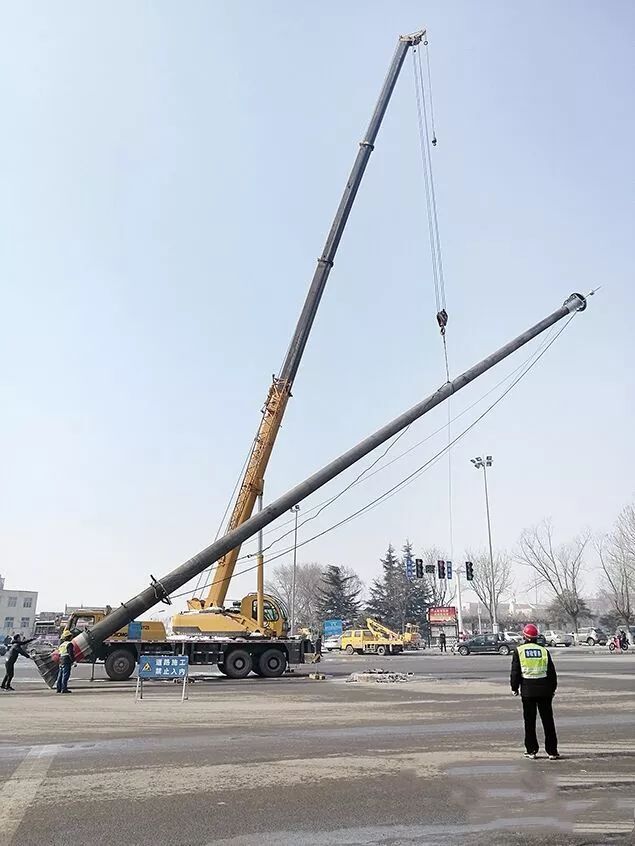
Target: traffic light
(469,571)
(409,569)
(419,567)
(448,569)
(441,569)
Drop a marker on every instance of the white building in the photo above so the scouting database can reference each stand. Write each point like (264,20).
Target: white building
(17,611)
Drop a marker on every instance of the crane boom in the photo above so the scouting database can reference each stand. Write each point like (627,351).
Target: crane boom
(379,629)
(280,390)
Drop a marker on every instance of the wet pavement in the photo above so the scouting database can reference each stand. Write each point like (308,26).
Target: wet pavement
(292,761)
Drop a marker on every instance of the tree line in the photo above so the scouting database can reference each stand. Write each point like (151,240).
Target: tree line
(336,591)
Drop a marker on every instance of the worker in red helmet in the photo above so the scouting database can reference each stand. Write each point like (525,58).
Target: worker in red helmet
(533,675)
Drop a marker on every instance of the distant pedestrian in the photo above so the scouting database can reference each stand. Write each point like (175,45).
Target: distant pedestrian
(443,646)
(318,645)
(67,657)
(16,649)
(534,675)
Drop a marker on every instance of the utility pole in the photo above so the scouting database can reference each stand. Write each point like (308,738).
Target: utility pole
(295,510)
(458,600)
(88,642)
(481,464)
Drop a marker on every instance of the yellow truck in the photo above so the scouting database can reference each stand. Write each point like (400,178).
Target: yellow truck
(236,657)
(412,636)
(375,639)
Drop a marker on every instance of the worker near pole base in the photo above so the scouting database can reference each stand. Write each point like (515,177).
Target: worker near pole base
(66,652)
(534,675)
(15,649)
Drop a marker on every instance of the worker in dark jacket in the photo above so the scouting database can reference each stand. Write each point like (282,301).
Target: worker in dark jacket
(66,652)
(534,676)
(15,649)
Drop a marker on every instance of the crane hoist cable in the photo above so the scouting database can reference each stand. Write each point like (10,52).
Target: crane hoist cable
(428,138)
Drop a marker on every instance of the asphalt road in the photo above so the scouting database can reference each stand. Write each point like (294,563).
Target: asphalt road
(436,760)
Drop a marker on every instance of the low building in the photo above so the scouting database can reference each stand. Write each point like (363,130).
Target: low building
(17,611)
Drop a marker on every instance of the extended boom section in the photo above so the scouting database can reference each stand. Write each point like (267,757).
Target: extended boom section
(280,391)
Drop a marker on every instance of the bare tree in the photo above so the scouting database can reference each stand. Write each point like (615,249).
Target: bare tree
(307,585)
(354,581)
(616,552)
(492,579)
(559,567)
(440,591)
(625,532)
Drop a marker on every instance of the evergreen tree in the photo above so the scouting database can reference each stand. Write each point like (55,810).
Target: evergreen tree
(417,594)
(381,601)
(394,599)
(338,595)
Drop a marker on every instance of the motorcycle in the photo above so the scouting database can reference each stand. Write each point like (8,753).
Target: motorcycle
(617,645)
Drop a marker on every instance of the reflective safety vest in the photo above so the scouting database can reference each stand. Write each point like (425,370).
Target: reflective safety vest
(63,650)
(534,660)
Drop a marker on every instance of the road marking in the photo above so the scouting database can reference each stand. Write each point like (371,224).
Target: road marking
(20,790)
(608,827)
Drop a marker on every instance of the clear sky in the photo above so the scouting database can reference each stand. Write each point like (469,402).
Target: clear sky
(169,172)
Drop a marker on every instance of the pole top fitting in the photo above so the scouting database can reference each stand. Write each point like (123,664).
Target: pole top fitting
(414,38)
(575,302)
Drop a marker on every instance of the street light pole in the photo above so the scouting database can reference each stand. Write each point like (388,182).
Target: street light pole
(481,464)
(295,510)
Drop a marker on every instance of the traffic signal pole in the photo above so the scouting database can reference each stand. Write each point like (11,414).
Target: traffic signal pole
(87,643)
(458,600)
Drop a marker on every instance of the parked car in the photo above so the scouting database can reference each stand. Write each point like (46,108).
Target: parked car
(513,637)
(591,636)
(556,638)
(331,644)
(486,643)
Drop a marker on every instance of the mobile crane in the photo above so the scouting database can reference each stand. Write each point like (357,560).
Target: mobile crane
(240,653)
(257,613)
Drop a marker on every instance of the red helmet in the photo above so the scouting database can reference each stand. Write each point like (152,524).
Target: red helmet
(530,630)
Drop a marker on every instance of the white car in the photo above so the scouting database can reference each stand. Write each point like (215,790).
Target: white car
(331,644)
(556,638)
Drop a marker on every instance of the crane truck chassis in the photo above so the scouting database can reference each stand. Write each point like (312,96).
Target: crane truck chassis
(234,657)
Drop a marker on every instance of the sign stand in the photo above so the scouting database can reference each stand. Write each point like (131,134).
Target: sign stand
(162,667)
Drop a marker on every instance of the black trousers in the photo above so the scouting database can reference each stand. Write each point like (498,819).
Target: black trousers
(6,681)
(543,705)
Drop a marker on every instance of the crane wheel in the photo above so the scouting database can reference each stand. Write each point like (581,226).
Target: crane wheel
(272,663)
(381,650)
(349,649)
(238,664)
(120,664)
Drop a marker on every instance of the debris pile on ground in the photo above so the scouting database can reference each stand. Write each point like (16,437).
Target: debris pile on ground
(379,676)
